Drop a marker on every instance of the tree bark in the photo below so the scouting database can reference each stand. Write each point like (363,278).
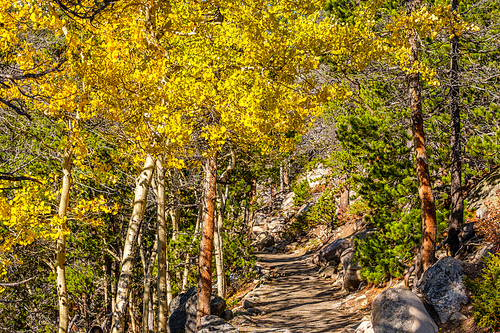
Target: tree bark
(457,202)
(162,249)
(127,264)
(62,290)
(427,248)
(207,239)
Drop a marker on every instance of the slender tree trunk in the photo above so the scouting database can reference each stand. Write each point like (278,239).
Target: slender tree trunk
(188,255)
(426,256)
(207,239)
(457,202)
(131,310)
(219,253)
(162,249)
(344,195)
(62,291)
(146,300)
(127,265)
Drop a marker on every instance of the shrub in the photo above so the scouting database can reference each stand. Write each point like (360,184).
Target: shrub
(302,192)
(324,210)
(486,294)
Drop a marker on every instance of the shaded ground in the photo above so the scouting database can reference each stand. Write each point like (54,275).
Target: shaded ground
(298,302)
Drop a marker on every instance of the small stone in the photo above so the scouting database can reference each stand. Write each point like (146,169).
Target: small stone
(247,304)
(457,318)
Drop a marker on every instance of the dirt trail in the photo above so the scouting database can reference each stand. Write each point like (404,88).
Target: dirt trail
(299,302)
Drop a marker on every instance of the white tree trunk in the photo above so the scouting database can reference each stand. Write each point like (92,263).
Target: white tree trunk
(127,265)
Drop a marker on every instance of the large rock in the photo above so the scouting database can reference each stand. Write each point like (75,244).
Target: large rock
(365,327)
(443,288)
(351,270)
(331,252)
(216,324)
(398,310)
(485,191)
(183,311)
(263,240)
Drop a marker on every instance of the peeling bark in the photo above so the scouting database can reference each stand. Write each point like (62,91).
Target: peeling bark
(427,248)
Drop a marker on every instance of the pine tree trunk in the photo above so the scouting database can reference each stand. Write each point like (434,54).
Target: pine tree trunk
(457,202)
(207,239)
(127,265)
(429,228)
(62,291)
(162,249)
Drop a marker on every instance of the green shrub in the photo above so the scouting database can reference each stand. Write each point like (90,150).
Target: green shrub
(324,210)
(486,294)
(302,192)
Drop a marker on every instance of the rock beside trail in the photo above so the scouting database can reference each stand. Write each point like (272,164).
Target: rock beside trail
(331,252)
(216,324)
(183,311)
(443,288)
(352,271)
(398,310)
(263,240)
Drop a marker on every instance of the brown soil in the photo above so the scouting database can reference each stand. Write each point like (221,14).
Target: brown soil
(296,300)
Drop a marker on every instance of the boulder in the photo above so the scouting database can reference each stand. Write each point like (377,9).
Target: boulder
(263,240)
(275,225)
(331,252)
(228,315)
(443,288)
(247,304)
(398,310)
(216,324)
(217,306)
(183,311)
(327,272)
(351,271)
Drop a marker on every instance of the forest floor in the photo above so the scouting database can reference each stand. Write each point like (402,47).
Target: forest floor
(297,300)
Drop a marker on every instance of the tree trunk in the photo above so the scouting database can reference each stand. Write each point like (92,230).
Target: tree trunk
(131,310)
(62,291)
(344,195)
(457,202)
(219,253)
(427,248)
(162,249)
(207,239)
(188,255)
(127,265)
(146,300)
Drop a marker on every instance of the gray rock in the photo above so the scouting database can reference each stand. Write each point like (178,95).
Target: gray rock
(228,315)
(443,288)
(266,241)
(254,311)
(217,306)
(247,304)
(400,311)
(216,324)
(327,272)
(331,252)
(183,311)
(351,270)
